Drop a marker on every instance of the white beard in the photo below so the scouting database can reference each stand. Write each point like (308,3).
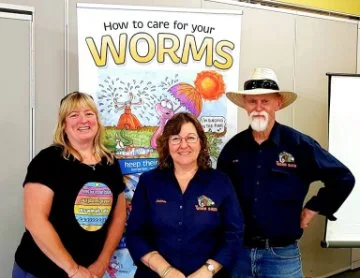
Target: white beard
(259,124)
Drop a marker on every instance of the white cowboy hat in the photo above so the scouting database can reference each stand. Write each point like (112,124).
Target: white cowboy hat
(262,81)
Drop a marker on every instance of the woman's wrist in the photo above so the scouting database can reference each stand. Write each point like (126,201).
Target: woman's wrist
(105,257)
(104,260)
(73,272)
(166,271)
(150,256)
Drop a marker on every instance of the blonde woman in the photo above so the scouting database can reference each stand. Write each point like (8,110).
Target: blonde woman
(74,205)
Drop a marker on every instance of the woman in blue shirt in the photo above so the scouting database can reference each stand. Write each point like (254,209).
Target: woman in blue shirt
(185,219)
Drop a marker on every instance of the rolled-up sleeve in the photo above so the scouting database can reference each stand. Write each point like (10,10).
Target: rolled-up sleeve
(337,178)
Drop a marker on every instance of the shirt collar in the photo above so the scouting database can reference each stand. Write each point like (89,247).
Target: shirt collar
(248,136)
(202,175)
(275,134)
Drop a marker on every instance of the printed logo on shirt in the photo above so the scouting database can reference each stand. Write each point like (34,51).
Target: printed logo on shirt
(286,160)
(160,201)
(205,204)
(93,205)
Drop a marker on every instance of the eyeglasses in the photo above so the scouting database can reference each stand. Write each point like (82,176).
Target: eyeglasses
(74,93)
(190,139)
(260,84)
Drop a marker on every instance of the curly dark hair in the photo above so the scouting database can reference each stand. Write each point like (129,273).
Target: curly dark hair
(173,127)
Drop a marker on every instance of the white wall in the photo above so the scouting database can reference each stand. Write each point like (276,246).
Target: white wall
(54,76)
(15,118)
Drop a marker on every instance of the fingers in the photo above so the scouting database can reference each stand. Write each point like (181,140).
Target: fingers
(306,217)
(83,273)
(304,224)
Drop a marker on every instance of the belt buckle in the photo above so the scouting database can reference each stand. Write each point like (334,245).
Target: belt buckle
(264,243)
(267,243)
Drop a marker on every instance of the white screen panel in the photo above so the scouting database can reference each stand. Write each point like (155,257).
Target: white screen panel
(344,138)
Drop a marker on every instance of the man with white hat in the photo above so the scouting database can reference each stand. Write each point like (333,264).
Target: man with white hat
(271,167)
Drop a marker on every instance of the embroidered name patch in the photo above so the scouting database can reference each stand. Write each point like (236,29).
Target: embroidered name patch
(286,160)
(205,204)
(160,201)
(198,208)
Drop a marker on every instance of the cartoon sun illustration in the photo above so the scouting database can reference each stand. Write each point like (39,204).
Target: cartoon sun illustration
(209,84)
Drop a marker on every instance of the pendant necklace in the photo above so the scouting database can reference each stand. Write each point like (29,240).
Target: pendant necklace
(93,166)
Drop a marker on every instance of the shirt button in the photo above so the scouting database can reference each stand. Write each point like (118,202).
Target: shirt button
(259,166)
(179,239)
(180,223)
(257,182)
(254,216)
(255,200)
(181,207)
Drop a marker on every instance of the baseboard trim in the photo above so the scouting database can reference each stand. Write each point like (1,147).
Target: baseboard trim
(338,271)
(355,264)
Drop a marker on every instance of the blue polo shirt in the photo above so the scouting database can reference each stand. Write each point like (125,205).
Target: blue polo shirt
(273,178)
(185,228)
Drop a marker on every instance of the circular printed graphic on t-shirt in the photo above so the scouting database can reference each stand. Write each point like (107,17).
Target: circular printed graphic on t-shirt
(93,205)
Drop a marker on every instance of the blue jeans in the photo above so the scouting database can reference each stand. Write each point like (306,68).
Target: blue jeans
(272,262)
(18,272)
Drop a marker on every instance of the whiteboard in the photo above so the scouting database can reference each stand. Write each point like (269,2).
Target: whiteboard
(344,143)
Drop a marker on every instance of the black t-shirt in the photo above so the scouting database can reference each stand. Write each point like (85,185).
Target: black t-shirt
(83,203)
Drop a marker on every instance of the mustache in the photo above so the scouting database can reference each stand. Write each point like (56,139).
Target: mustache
(262,113)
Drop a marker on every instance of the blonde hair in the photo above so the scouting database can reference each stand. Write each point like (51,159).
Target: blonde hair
(67,105)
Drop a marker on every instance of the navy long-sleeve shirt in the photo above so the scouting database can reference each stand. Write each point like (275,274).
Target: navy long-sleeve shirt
(185,228)
(273,178)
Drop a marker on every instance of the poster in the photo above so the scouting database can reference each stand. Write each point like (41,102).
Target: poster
(142,65)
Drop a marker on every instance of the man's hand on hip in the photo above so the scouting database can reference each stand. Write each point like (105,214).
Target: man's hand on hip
(306,216)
